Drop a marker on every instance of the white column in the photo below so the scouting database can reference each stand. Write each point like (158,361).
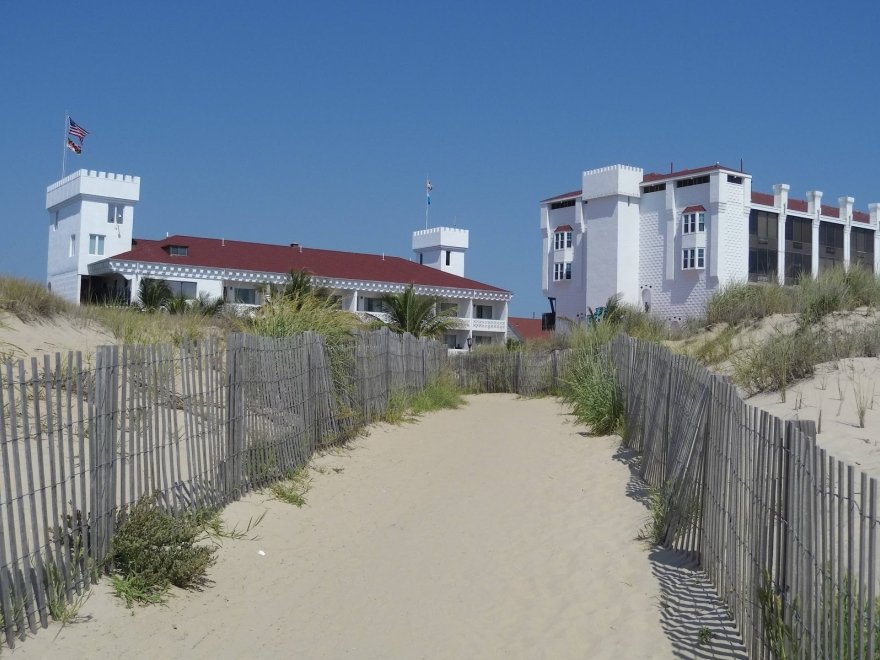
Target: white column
(846,206)
(671,230)
(814,206)
(780,201)
(874,210)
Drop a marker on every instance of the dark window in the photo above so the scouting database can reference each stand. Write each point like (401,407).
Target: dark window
(763,245)
(421,258)
(798,248)
(734,179)
(178,250)
(185,289)
(483,311)
(830,245)
(862,247)
(448,256)
(693,181)
(562,205)
(657,187)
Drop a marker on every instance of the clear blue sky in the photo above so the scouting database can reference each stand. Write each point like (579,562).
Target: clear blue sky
(317,122)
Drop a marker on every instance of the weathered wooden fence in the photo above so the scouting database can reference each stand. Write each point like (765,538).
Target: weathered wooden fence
(520,372)
(196,425)
(786,533)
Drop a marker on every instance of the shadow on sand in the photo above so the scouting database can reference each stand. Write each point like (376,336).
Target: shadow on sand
(691,613)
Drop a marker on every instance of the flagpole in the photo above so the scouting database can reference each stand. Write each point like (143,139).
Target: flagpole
(64,145)
(427,198)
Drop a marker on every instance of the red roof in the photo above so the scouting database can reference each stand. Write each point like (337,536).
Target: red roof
(694,209)
(573,193)
(800,206)
(268,258)
(655,176)
(526,328)
(562,228)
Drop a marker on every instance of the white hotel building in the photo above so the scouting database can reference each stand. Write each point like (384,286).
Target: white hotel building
(93,257)
(667,241)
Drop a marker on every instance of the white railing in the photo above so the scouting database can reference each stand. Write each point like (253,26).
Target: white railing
(458,323)
(369,316)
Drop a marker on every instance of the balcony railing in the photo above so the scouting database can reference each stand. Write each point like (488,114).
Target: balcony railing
(458,323)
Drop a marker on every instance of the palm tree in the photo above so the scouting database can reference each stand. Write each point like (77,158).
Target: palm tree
(418,315)
(153,294)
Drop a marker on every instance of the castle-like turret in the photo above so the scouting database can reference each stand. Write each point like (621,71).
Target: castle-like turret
(442,248)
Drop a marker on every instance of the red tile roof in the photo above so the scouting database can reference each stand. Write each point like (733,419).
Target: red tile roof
(800,206)
(562,228)
(694,209)
(525,328)
(268,258)
(656,176)
(573,193)
(762,198)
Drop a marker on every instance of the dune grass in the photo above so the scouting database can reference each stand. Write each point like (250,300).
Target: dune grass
(440,394)
(30,300)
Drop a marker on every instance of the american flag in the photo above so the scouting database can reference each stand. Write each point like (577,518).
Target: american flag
(76,130)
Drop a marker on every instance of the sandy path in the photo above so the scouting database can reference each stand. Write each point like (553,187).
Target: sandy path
(494,531)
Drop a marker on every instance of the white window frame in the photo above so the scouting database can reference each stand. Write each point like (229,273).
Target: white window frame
(693,258)
(115,213)
(480,312)
(96,244)
(561,271)
(71,250)
(693,223)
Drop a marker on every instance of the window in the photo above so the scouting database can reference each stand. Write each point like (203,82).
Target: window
(562,205)
(448,256)
(763,245)
(449,308)
(798,248)
(243,296)
(115,213)
(482,311)
(186,289)
(562,270)
(421,258)
(96,244)
(693,222)
(72,249)
(562,239)
(862,247)
(693,181)
(178,250)
(734,179)
(830,245)
(693,258)
(373,305)
(55,221)
(657,187)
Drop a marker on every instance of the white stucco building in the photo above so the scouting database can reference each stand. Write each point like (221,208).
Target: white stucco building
(667,241)
(92,257)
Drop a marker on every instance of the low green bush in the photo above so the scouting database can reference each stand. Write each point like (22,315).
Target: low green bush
(153,549)
(590,385)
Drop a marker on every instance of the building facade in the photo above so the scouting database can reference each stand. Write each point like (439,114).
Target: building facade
(667,241)
(92,257)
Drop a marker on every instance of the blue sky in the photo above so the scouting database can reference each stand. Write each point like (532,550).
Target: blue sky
(317,122)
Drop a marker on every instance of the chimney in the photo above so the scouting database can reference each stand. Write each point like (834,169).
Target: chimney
(874,210)
(814,201)
(780,195)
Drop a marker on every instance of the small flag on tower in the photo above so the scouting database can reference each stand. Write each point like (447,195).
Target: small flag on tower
(76,130)
(428,189)
(73,146)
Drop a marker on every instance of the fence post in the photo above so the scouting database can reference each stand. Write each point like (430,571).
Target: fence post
(230,475)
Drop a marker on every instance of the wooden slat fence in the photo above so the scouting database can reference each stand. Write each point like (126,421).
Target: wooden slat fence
(787,533)
(197,425)
(519,372)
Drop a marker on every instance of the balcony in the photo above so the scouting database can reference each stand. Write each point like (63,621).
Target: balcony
(458,323)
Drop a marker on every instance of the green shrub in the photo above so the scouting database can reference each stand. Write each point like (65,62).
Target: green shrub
(282,317)
(29,300)
(590,385)
(293,489)
(153,549)
(441,393)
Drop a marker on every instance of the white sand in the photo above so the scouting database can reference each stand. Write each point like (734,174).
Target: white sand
(494,531)
(35,339)
(834,391)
